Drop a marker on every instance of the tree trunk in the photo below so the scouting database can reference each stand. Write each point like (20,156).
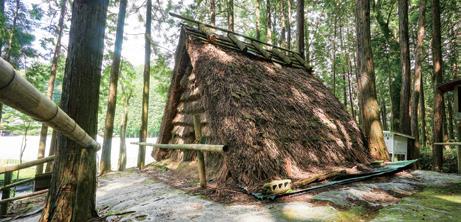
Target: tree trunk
(367,90)
(383,115)
(405,68)
(437,128)
(54,68)
(105,164)
(414,154)
(258,19)
(333,62)
(230,15)
(288,20)
(213,12)
(300,27)
(2,14)
(53,144)
(12,32)
(283,23)
(268,22)
(72,192)
(422,109)
(349,81)
(123,124)
(145,92)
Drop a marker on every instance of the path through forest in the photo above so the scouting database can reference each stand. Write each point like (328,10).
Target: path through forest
(138,197)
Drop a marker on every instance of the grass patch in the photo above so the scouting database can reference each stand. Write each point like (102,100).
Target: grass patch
(433,204)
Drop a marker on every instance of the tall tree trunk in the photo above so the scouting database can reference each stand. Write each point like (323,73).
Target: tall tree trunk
(2,17)
(300,27)
(123,125)
(367,90)
(405,68)
(288,20)
(72,192)
(333,62)
(105,164)
(213,12)
(230,15)
(2,11)
(268,22)
(53,144)
(283,24)
(437,128)
(414,154)
(422,110)
(258,19)
(54,68)
(145,92)
(349,81)
(307,41)
(383,115)
(12,32)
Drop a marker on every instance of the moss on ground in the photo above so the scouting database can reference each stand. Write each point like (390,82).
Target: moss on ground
(432,204)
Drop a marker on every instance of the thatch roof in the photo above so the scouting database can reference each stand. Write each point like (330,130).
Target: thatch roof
(278,120)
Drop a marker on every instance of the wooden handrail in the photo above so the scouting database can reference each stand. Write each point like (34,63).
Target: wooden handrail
(17,92)
(10,168)
(17,183)
(23,196)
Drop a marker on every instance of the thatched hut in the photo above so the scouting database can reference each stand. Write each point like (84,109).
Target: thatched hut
(277,119)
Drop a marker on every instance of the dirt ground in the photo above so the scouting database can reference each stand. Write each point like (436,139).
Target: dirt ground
(159,194)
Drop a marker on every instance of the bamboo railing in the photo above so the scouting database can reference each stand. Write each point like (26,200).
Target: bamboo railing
(17,92)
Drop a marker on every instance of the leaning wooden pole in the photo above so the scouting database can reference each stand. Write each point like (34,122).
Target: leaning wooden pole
(17,92)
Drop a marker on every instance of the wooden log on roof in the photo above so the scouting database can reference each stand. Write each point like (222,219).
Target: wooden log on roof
(237,42)
(284,58)
(18,93)
(9,168)
(265,53)
(302,62)
(199,147)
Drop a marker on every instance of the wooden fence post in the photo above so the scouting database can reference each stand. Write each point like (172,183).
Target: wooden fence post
(200,157)
(6,193)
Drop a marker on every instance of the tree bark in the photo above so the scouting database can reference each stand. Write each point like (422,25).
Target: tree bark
(367,91)
(349,81)
(54,68)
(53,144)
(230,15)
(2,14)
(288,20)
(123,125)
(105,164)
(268,22)
(213,12)
(283,23)
(437,128)
(258,19)
(414,154)
(405,68)
(300,27)
(145,92)
(72,192)
(12,32)
(333,62)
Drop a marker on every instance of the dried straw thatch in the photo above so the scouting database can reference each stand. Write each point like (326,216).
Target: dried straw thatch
(278,121)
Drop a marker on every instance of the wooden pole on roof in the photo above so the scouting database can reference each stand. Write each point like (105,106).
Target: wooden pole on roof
(17,92)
